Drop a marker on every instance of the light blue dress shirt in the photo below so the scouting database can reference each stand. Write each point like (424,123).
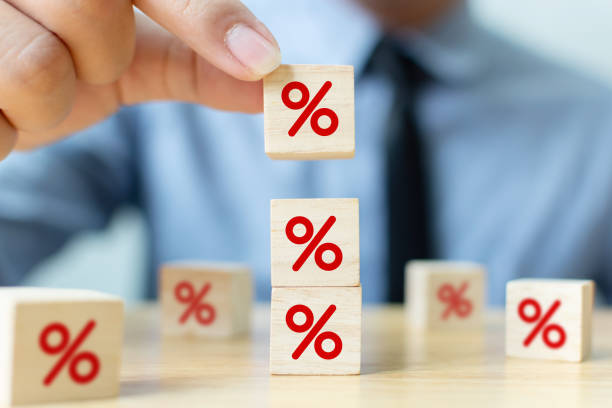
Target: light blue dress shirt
(519,153)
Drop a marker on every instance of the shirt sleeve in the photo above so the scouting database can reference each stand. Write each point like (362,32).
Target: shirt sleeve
(50,194)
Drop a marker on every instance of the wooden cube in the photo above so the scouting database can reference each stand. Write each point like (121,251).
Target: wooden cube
(315,330)
(445,295)
(315,242)
(58,345)
(549,318)
(309,112)
(205,299)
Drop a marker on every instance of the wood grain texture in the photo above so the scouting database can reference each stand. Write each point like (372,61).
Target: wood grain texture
(345,322)
(573,315)
(24,315)
(344,233)
(229,295)
(431,287)
(400,367)
(306,144)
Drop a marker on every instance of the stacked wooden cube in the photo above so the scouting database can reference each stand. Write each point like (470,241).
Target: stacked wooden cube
(316,292)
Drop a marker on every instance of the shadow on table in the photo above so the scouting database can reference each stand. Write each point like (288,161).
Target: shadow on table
(410,351)
(139,387)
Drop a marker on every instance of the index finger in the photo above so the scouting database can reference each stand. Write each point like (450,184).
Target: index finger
(224,32)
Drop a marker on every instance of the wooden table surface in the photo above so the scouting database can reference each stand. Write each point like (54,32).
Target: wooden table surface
(399,367)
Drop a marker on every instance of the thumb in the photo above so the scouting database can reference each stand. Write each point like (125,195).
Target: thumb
(224,32)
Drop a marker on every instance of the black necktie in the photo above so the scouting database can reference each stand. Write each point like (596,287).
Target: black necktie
(407,195)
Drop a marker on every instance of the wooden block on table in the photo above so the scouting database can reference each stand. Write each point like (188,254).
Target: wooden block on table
(549,318)
(205,299)
(445,294)
(302,106)
(58,345)
(315,242)
(326,333)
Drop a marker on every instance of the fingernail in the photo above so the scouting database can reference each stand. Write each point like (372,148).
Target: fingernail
(252,49)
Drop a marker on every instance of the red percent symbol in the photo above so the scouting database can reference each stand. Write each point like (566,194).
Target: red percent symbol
(69,357)
(314,243)
(315,328)
(541,325)
(310,108)
(184,292)
(456,303)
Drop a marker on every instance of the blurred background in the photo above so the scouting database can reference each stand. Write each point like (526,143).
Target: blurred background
(576,34)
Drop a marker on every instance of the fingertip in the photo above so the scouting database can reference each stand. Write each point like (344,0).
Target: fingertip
(224,32)
(254,50)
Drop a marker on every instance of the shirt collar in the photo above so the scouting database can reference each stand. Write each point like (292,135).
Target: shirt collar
(452,49)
